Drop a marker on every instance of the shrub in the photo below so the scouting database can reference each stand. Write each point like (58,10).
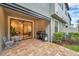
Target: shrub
(58,37)
(74,35)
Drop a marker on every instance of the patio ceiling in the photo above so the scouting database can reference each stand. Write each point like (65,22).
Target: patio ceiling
(24,10)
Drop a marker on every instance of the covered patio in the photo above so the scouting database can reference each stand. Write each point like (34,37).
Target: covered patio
(19,23)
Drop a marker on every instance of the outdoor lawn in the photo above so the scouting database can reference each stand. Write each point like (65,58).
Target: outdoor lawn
(73,47)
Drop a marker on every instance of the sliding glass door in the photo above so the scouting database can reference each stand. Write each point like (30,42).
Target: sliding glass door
(21,28)
(27,29)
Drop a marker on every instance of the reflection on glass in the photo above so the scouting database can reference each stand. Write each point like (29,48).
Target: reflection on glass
(22,28)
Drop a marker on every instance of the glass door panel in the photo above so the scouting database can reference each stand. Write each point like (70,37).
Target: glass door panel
(16,28)
(27,30)
(21,28)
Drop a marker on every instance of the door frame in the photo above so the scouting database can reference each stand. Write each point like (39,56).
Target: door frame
(9,20)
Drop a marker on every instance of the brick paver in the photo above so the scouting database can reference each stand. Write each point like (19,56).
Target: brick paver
(34,47)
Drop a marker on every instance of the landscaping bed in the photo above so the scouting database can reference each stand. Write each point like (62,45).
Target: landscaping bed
(69,40)
(70,44)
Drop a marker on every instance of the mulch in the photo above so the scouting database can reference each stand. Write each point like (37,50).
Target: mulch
(70,42)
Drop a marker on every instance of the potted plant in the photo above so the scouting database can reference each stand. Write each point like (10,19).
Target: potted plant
(12,31)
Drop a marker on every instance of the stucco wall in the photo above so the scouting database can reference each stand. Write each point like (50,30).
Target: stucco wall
(15,14)
(2,25)
(39,24)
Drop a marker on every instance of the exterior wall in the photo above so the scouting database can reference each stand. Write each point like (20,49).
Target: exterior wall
(42,8)
(77,27)
(16,15)
(73,29)
(63,14)
(70,29)
(39,24)
(66,17)
(52,28)
(49,9)
(58,10)
(60,26)
(48,31)
(2,26)
(61,11)
(46,9)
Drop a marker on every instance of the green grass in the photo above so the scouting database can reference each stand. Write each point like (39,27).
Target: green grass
(73,47)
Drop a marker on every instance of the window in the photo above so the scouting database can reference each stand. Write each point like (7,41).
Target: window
(56,26)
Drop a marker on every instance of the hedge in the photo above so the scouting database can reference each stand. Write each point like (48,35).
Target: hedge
(58,37)
(74,35)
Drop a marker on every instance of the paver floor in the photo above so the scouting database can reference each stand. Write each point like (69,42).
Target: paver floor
(34,47)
